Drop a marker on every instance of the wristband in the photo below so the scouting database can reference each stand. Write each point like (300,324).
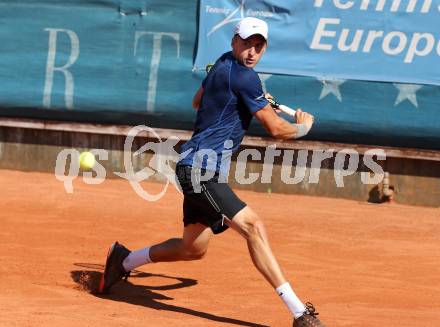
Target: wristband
(302,130)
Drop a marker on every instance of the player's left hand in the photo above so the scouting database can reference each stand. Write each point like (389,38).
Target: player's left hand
(303,117)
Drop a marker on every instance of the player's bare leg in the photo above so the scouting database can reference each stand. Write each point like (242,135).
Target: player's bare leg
(120,261)
(192,246)
(250,226)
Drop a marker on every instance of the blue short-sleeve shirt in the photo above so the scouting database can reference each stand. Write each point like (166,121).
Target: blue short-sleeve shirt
(232,95)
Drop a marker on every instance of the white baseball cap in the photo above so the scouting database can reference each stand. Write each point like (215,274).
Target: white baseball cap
(249,26)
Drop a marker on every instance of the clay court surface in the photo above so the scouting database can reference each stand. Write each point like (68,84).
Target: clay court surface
(360,264)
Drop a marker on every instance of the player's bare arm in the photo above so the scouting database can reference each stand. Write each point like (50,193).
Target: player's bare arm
(197,98)
(281,129)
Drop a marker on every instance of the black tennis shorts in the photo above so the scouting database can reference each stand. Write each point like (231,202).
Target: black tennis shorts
(211,204)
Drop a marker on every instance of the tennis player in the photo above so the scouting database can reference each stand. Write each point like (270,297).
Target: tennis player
(230,95)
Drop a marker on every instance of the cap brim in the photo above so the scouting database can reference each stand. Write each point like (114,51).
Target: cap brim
(244,36)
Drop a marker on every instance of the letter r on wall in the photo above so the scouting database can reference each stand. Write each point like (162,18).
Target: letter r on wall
(50,66)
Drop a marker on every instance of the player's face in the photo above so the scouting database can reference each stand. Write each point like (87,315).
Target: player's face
(248,52)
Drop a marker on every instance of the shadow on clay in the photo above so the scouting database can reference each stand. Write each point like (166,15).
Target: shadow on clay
(147,296)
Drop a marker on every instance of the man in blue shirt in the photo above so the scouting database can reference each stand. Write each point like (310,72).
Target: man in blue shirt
(230,96)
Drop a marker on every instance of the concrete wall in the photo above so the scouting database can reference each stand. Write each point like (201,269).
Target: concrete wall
(415,181)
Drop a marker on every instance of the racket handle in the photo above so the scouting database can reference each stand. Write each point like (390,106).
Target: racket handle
(282,107)
(287,110)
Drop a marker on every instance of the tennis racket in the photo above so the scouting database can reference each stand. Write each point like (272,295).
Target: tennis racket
(282,107)
(208,68)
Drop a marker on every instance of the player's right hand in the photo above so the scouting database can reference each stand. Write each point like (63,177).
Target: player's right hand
(303,117)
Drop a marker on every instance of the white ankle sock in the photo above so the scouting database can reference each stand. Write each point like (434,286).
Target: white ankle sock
(291,300)
(137,258)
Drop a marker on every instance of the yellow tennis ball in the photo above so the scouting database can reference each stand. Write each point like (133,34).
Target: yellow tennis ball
(86,160)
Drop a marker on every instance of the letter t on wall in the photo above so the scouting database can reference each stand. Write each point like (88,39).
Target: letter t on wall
(155,61)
